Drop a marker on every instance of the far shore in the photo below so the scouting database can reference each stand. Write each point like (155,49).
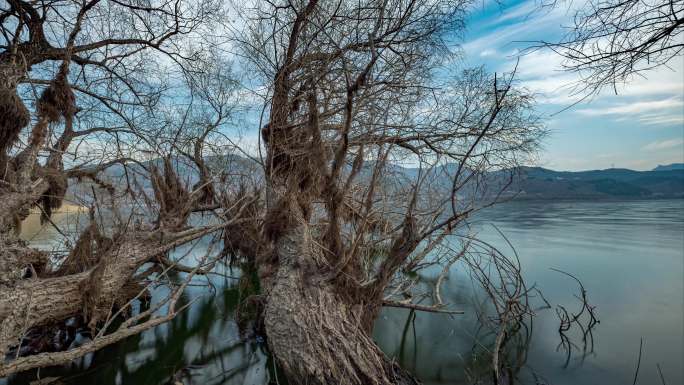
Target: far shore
(31,226)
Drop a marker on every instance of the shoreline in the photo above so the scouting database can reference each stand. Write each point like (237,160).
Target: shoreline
(31,226)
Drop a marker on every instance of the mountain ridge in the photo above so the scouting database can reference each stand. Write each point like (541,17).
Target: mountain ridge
(529,182)
(669,167)
(541,183)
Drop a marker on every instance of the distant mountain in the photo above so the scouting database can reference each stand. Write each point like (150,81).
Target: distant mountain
(529,183)
(536,183)
(615,183)
(669,167)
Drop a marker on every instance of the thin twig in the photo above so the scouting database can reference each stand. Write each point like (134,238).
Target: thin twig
(636,374)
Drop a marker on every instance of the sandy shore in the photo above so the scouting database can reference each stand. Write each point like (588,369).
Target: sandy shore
(31,226)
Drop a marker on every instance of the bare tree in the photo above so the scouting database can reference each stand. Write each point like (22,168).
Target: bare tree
(83,89)
(353,93)
(377,151)
(611,42)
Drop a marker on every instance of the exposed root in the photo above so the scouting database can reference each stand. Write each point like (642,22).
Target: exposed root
(15,116)
(86,253)
(173,198)
(54,196)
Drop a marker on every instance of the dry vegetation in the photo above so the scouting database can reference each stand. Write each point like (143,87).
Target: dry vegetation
(121,100)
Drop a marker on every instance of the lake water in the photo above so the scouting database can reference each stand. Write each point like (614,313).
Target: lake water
(628,255)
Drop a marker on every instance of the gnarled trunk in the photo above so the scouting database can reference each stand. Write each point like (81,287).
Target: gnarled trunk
(316,335)
(94,292)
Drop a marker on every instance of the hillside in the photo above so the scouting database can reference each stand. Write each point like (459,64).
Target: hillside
(533,183)
(669,167)
(541,183)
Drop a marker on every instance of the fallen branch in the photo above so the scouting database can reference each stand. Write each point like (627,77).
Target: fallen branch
(430,309)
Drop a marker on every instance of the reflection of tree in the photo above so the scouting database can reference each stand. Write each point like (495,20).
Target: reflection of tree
(164,349)
(510,340)
(503,316)
(410,321)
(585,319)
(512,352)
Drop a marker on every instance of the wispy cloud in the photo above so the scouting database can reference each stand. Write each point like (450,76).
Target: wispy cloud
(502,38)
(498,39)
(523,10)
(540,65)
(489,52)
(657,120)
(664,144)
(666,80)
(507,32)
(634,108)
(623,123)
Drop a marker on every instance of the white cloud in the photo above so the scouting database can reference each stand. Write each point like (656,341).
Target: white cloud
(664,144)
(650,99)
(540,64)
(502,37)
(542,72)
(664,80)
(525,10)
(653,120)
(488,52)
(654,86)
(634,108)
(530,23)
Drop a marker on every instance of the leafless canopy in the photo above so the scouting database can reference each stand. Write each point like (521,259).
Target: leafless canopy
(354,91)
(85,86)
(613,41)
(377,150)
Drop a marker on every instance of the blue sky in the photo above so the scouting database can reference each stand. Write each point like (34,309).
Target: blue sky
(640,128)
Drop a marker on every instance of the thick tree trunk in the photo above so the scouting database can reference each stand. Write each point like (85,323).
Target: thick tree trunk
(94,292)
(26,303)
(34,302)
(317,337)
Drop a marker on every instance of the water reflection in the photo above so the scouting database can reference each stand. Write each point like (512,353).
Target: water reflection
(630,258)
(202,345)
(628,255)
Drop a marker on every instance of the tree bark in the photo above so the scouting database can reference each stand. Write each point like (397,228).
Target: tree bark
(94,293)
(35,302)
(317,336)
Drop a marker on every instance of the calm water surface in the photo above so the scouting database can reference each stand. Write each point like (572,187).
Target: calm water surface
(629,256)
